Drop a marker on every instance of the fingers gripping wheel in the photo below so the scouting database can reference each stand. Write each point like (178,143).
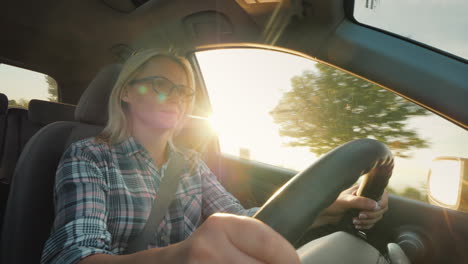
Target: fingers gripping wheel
(376,179)
(297,203)
(373,185)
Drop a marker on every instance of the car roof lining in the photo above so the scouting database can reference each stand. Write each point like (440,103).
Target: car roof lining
(71,41)
(57,39)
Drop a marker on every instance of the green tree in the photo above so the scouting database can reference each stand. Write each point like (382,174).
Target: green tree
(409,192)
(327,107)
(21,103)
(52,89)
(391,190)
(413,193)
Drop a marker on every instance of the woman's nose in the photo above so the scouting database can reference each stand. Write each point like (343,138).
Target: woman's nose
(174,98)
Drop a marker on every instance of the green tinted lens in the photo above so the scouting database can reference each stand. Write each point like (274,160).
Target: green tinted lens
(162,86)
(185,91)
(142,88)
(162,97)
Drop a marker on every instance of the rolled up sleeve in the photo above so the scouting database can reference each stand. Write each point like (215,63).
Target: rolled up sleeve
(80,225)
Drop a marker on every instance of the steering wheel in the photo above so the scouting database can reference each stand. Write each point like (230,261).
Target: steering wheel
(294,207)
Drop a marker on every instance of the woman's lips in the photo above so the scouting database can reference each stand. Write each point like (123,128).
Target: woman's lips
(169,109)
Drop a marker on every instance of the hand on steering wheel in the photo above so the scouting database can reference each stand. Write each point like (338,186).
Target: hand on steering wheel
(298,203)
(370,211)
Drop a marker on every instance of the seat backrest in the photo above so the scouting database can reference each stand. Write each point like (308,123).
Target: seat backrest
(22,124)
(3,111)
(11,145)
(30,212)
(3,126)
(15,119)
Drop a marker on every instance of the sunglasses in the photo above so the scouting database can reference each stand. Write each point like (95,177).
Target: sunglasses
(162,86)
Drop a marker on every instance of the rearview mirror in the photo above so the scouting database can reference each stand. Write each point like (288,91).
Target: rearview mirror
(448,183)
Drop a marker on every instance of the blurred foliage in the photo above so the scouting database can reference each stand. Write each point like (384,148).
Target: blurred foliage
(52,89)
(413,193)
(410,193)
(21,103)
(328,107)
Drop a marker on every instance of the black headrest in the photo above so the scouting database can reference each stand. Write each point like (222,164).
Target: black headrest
(44,112)
(92,107)
(3,104)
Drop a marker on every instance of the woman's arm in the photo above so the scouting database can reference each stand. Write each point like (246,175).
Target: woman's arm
(168,254)
(218,199)
(80,224)
(222,238)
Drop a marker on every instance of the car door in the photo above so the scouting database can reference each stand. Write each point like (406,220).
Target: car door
(276,113)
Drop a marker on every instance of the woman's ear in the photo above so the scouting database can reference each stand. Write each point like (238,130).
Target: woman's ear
(125,95)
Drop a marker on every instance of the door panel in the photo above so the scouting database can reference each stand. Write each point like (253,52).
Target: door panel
(252,182)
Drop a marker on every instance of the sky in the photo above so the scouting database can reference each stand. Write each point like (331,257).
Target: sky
(266,75)
(19,83)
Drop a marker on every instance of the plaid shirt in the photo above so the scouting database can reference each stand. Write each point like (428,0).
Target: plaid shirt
(103,197)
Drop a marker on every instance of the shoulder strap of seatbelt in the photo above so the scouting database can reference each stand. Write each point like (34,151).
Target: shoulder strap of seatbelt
(167,189)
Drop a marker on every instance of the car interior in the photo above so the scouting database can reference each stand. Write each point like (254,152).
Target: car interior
(82,45)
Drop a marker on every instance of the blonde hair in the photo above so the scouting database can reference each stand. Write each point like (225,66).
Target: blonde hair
(116,129)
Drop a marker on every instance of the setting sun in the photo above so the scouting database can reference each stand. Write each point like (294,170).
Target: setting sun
(242,96)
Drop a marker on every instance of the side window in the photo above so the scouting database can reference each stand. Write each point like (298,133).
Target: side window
(21,85)
(287,111)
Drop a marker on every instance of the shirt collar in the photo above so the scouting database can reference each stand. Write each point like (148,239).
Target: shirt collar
(131,146)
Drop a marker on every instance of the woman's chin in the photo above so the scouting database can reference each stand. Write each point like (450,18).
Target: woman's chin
(165,120)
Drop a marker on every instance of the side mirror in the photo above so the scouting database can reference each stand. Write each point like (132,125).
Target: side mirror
(448,183)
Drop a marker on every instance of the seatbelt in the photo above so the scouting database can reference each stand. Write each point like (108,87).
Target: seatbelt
(167,189)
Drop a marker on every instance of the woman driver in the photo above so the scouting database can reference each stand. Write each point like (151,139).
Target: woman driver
(105,186)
